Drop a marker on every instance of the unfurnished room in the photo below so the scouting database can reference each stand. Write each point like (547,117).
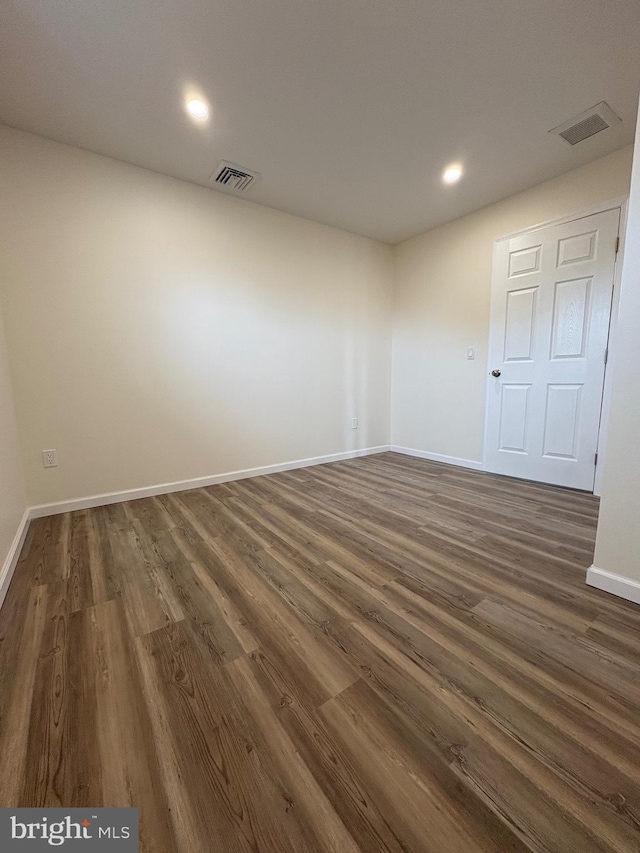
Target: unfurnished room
(320,426)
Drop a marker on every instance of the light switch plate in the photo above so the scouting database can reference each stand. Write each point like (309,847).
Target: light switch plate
(50,458)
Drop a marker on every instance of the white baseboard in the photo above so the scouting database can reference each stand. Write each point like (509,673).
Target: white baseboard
(615,584)
(608,581)
(183,485)
(438,457)
(9,565)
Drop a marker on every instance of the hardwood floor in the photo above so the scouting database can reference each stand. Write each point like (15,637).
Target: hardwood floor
(383,654)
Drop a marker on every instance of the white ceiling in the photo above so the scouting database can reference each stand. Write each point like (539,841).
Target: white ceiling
(350,109)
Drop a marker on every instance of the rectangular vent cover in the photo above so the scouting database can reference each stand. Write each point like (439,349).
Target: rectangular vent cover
(233,178)
(587,124)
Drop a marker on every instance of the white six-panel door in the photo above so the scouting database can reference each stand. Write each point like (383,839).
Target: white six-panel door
(550,311)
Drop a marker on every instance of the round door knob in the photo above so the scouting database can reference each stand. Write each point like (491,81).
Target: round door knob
(496,373)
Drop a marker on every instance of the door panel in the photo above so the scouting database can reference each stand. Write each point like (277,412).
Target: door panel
(570,318)
(581,247)
(524,261)
(562,421)
(513,418)
(521,312)
(550,311)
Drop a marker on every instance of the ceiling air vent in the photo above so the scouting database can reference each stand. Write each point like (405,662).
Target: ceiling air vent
(233,178)
(587,124)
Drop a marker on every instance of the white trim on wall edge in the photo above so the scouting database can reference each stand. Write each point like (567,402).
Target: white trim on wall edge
(197,483)
(9,565)
(598,207)
(615,584)
(438,457)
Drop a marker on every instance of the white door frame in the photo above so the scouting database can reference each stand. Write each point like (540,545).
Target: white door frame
(620,204)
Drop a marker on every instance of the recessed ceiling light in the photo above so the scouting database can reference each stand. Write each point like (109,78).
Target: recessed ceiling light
(197,109)
(452,173)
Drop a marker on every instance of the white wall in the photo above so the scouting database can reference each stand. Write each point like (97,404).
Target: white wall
(442,301)
(159,331)
(12,496)
(618,538)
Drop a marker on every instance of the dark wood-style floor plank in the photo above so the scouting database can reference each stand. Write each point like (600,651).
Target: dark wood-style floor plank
(382,654)
(211,746)
(129,762)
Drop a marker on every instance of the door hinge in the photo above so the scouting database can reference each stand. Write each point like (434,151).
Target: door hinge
(606,355)
(595,459)
(617,245)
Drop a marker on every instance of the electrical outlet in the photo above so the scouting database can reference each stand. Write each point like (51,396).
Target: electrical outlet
(354,423)
(50,458)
